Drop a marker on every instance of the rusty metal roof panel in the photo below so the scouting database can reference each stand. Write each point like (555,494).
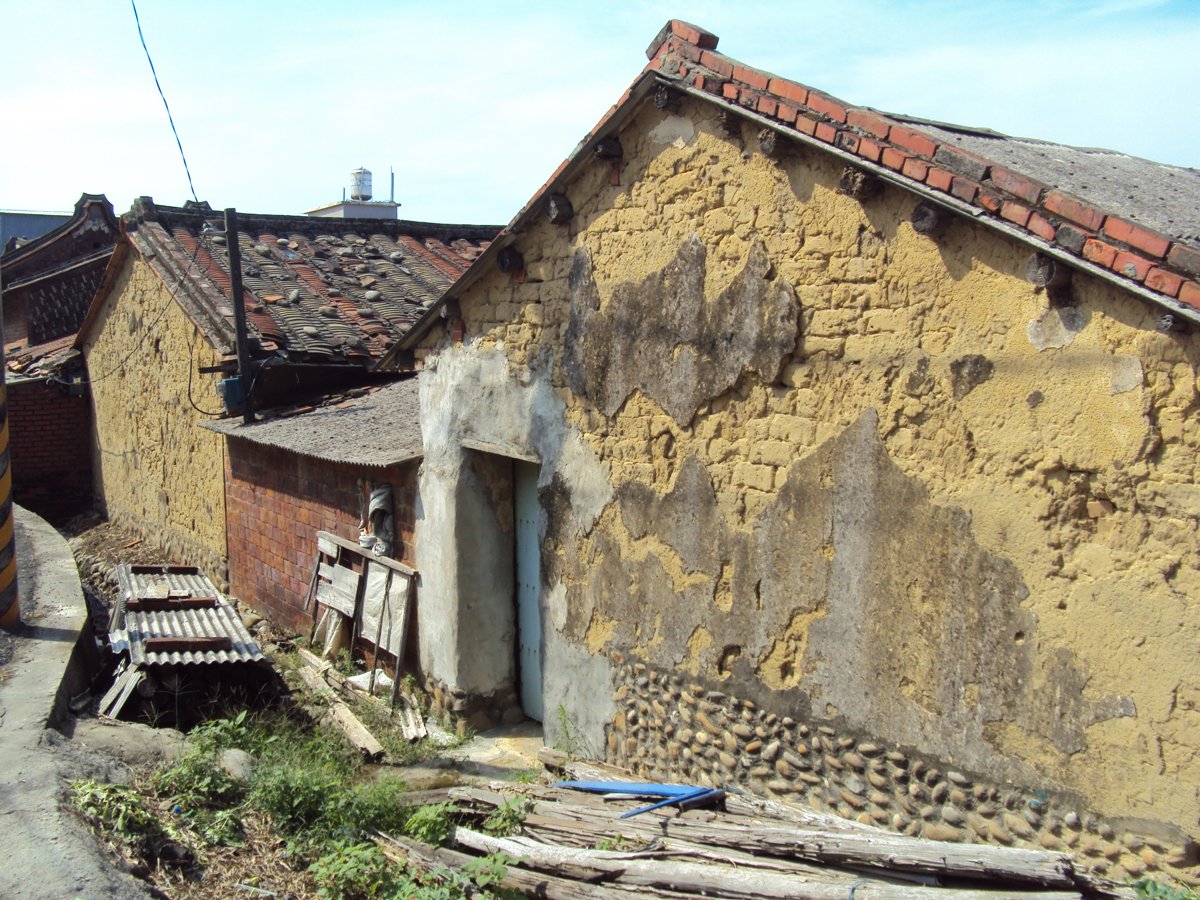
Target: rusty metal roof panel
(131,629)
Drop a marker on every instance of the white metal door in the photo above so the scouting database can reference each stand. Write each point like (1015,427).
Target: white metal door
(529,588)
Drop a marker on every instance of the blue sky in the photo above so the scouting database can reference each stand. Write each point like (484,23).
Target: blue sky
(475,104)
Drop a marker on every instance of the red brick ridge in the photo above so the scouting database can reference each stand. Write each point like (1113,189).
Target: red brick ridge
(1141,255)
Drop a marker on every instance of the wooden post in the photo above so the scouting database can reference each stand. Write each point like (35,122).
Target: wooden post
(768,143)
(238,302)
(559,210)
(1046,271)
(858,184)
(929,220)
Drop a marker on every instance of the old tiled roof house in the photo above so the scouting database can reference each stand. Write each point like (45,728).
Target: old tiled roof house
(49,281)
(324,300)
(784,442)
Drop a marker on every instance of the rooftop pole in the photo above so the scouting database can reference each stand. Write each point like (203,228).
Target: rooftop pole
(238,302)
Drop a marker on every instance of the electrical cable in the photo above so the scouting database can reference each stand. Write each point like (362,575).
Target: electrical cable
(203,237)
(170,118)
(149,329)
(191,369)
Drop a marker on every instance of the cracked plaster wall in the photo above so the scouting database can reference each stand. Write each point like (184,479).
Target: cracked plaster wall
(464,520)
(155,470)
(950,518)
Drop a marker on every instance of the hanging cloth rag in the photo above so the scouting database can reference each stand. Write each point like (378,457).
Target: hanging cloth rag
(379,515)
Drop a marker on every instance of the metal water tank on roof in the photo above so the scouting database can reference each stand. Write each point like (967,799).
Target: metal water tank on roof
(360,184)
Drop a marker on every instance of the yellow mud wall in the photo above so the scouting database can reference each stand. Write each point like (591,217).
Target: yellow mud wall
(1065,439)
(155,469)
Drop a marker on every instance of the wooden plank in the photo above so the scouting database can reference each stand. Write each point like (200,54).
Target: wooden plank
(427,859)
(356,732)
(316,683)
(319,675)
(879,850)
(355,547)
(137,569)
(326,546)
(187,644)
(711,878)
(330,594)
(122,689)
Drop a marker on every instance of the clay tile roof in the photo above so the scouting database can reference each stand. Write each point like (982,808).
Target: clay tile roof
(1130,221)
(316,290)
(1131,218)
(39,360)
(49,281)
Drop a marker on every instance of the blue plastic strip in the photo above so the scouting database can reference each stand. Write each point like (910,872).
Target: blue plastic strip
(641,789)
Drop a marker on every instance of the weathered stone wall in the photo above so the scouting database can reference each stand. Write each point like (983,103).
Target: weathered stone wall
(859,478)
(154,469)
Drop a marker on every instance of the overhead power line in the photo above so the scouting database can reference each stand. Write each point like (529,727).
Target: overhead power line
(166,105)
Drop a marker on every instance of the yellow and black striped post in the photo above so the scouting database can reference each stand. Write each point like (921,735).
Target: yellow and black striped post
(10,612)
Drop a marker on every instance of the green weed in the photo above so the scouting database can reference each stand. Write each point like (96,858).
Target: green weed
(508,817)
(351,870)
(568,740)
(294,798)
(488,871)
(120,810)
(431,824)
(1149,889)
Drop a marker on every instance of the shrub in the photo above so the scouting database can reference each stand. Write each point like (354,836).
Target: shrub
(508,817)
(353,870)
(432,824)
(295,798)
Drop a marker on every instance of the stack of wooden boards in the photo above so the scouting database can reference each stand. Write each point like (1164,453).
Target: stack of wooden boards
(574,845)
(330,686)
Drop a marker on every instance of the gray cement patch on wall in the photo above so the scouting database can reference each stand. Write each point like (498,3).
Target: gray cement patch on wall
(663,336)
(471,397)
(854,598)
(580,685)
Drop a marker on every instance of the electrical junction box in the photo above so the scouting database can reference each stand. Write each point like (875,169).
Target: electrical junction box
(233,394)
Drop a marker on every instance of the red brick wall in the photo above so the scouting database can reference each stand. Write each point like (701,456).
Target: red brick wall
(275,503)
(50,439)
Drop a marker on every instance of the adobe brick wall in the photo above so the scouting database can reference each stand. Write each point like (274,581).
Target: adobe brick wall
(276,501)
(49,442)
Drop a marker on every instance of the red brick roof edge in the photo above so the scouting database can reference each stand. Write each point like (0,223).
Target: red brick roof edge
(1142,256)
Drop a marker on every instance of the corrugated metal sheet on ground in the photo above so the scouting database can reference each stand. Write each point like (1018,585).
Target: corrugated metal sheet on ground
(146,581)
(130,629)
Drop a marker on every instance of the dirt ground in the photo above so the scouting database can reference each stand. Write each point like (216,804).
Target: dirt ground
(126,753)
(98,546)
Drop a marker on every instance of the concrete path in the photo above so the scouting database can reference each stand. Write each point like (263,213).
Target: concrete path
(45,851)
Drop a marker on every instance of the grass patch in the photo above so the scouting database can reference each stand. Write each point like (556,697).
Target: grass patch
(307,803)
